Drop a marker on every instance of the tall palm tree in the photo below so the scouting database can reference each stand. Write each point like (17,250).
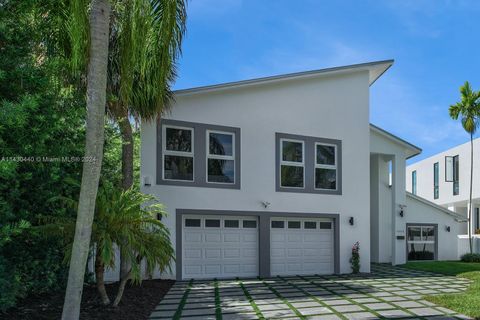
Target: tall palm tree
(468,109)
(141,44)
(144,49)
(98,29)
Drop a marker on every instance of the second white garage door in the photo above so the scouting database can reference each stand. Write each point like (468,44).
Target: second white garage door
(301,246)
(219,247)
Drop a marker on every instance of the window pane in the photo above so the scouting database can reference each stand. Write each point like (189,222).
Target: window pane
(278,224)
(212,223)
(292,151)
(325,155)
(249,223)
(291,176)
(178,139)
(310,225)
(325,225)
(414,234)
(221,144)
(192,222)
(221,171)
(294,224)
(421,251)
(178,168)
(428,233)
(231,223)
(325,178)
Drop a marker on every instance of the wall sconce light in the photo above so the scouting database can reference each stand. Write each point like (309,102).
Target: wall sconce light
(402,212)
(447,228)
(146,181)
(351,221)
(266,204)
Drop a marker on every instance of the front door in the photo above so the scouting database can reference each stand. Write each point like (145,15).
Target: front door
(421,242)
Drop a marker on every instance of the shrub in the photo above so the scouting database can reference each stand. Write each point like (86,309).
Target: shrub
(355,259)
(421,255)
(471,257)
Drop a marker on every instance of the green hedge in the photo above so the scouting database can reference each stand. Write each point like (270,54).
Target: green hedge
(471,257)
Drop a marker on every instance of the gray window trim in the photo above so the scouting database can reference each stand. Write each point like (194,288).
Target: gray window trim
(309,163)
(263,227)
(199,155)
(434,225)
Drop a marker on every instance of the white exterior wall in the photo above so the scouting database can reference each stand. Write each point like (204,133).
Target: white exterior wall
(424,170)
(447,241)
(334,107)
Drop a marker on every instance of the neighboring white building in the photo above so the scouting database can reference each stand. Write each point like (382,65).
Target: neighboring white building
(445,180)
(282,175)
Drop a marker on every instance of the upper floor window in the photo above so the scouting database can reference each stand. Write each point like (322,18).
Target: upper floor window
(456,175)
(435,180)
(414,182)
(308,164)
(195,154)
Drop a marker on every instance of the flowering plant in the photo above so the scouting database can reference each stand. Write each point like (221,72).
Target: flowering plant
(355,259)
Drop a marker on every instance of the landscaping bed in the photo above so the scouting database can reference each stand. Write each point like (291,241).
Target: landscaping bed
(138,302)
(467,302)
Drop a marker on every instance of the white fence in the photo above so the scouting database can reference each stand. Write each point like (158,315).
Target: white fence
(464,246)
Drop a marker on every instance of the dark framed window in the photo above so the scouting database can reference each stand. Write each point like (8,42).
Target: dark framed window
(308,164)
(421,242)
(212,223)
(294,225)
(195,223)
(278,224)
(310,225)
(249,223)
(414,182)
(198,155)
(456,175)
(325,225)
(436,180)
(231,224)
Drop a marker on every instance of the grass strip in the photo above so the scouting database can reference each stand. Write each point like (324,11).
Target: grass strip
(250,299)
(295,310)
(218,306)
(178,313)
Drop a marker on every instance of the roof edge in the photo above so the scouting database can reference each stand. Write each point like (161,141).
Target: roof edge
(288,76)
(416,150)
(455,215)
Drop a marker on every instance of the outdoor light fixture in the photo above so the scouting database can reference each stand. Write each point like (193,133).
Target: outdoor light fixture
(266,204)
(351,221)
(402,206)
(146,181)
(447,228)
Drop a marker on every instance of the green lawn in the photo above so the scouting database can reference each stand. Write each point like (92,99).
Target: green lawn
(467,302)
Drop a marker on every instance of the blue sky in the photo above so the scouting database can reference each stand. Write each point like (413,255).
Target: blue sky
(435,44)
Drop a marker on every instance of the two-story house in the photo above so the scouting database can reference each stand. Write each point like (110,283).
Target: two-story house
(282,175)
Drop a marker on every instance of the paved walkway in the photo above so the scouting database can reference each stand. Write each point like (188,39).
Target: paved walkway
(387,293)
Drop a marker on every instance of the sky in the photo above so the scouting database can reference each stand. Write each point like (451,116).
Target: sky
(435,45)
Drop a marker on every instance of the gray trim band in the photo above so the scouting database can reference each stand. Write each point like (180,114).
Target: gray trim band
(434,225)
(199,156)
(309,170)
(263,236)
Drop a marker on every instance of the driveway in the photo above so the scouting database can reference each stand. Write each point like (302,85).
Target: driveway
(388,292)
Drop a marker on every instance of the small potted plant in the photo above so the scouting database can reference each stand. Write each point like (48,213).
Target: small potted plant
(355,259)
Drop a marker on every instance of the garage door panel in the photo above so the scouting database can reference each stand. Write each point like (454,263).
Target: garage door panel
(301,251)
(215,251)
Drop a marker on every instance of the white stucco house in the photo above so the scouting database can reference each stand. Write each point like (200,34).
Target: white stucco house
(444,179)
(282,175)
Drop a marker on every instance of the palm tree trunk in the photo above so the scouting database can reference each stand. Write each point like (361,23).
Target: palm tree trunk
(121,288)
(470,203)
(96,96)
(99,273)
(127,171)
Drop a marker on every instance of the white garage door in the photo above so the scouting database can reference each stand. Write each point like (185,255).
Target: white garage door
(219,247)
(301,246)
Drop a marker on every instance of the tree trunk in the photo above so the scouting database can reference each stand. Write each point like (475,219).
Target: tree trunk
(121,288)
(127,170)
(99,273)
(96,96)
(470,203)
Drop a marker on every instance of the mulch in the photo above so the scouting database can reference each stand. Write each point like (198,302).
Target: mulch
(138,302)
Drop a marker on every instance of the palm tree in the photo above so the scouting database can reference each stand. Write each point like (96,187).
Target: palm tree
(468,109)
(141,45)
(144,49)
(98,27)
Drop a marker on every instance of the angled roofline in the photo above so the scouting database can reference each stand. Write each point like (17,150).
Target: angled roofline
(375,73)
(455,215)
(416,150)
